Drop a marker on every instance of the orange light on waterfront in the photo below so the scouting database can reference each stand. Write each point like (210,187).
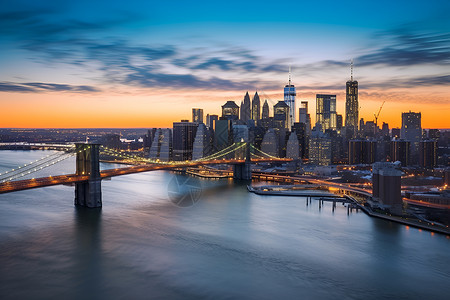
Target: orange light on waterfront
(407,227)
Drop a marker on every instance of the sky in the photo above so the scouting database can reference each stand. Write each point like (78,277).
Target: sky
(78,64)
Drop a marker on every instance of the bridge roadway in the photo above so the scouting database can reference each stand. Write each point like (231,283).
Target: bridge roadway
(19,185)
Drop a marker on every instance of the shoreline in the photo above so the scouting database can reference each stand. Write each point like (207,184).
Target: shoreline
(367,211)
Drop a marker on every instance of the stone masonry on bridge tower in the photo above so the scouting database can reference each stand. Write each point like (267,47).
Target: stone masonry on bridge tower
(243,171)
(88,193)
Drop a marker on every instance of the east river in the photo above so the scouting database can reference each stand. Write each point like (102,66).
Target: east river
(231,244)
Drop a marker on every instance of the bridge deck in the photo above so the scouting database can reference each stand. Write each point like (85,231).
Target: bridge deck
(19,185)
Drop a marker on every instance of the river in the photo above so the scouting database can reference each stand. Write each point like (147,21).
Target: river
(231,244)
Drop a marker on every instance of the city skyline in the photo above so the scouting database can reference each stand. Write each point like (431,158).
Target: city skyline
(138,66)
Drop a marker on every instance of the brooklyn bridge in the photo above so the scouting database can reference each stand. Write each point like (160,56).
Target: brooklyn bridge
(88,176)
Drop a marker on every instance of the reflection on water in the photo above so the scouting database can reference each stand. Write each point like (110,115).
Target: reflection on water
(230,244)
(87,252)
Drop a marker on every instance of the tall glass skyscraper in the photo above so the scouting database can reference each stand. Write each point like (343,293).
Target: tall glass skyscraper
(326,111)
(351,106)
(289,98)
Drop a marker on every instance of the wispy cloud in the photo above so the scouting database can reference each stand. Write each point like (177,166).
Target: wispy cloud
(221,67)
(37,87)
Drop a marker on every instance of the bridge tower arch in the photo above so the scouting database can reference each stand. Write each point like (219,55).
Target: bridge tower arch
(243,171)
(88,193)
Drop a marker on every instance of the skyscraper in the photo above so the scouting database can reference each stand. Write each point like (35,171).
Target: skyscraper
(269,143)
(400,151)
(223,134)
(293,147)
(161,147)
(230,111)
(412,131)
(326,111)
(183,140)
(246,109)
(304,116)
(202,145)
(319,147)
(265,119)
(428,153)
(256,108)
(265,110)
(289,99)
(361,151)
(351,106)
(303,112)
(281,113)
(210,119)
(197,115)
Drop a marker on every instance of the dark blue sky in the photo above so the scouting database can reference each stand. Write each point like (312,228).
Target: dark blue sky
(86,47)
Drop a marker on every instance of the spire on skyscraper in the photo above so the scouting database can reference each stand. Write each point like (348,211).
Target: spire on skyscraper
(351,70)
(289,75)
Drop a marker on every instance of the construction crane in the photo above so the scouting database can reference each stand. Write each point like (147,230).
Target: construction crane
(377,115)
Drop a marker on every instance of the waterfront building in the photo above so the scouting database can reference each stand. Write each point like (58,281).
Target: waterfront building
(293,147)
(428,153)
(165,149)
(245,109)
(210,120)
(412,130)
(111,140)
(197,115)
(161,147)
(269,143)
(400,151)
(156,144)
(351,106)
(281,115)
(326,111)
(289,99)
(148,138)
(361,151)
(319,147)
(183,140)
(230,111)
(386,186)
(256,108)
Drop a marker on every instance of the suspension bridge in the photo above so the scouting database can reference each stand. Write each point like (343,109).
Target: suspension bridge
(88,176)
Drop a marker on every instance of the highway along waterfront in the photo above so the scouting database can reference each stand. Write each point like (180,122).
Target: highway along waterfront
(231,244)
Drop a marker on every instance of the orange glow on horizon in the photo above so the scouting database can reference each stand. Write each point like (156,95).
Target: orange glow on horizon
(160,108)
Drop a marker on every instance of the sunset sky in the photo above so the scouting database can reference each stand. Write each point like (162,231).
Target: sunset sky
(148,63)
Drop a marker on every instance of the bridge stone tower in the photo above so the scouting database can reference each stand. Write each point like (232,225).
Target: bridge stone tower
(88,193)
(243,171)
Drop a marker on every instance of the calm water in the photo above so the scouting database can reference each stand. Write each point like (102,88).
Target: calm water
(230,244)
